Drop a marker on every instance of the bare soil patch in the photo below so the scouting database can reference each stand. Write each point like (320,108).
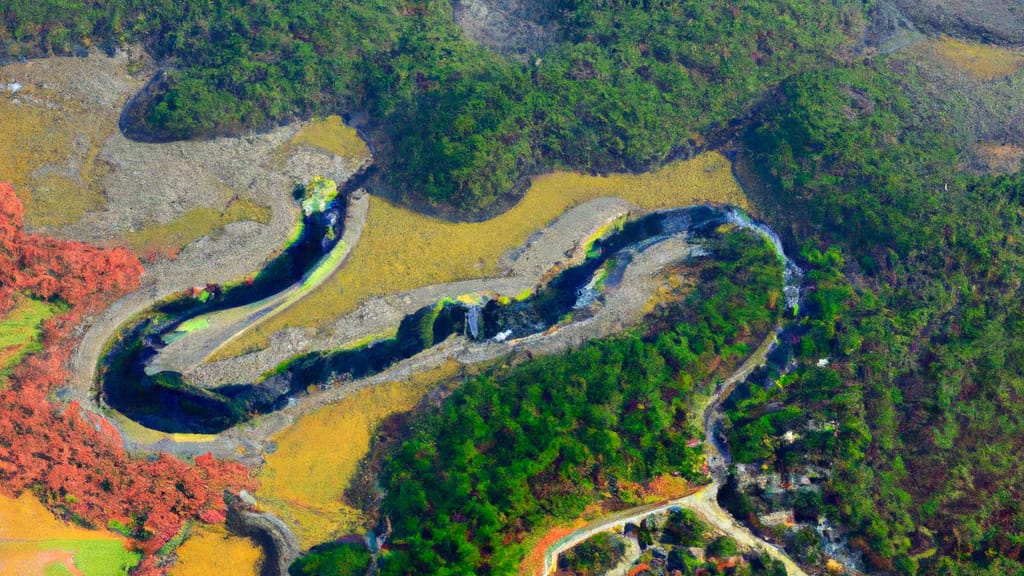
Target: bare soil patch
(1001,158)
(54,127)
(516,28)
(999,21)
(975,90)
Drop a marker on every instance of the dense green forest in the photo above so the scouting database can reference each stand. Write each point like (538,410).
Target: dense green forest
(510,451)
(916,268)
(455,124)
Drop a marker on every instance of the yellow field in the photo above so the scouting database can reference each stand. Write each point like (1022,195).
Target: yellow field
(983,61)
(168,239)
(49,155)
(139,433)
(303,480)
(33,541)
(401,250)
(25,518)
(331,134)
(211,550)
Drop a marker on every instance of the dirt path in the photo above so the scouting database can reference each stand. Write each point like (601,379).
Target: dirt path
(703,503)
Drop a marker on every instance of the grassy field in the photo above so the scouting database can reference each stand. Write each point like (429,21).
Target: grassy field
(33,541)
(401,250)
(304,479)
(49,154)
(139,433)
(331,134)
(211,550)
(168,239)
(983,61)
(21,329)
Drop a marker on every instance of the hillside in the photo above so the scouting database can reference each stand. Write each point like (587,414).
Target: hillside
(883,140)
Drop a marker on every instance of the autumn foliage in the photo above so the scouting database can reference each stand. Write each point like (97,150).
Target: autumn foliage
(72,459)
(81,275)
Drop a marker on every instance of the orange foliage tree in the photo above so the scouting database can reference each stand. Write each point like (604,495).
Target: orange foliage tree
(72,459)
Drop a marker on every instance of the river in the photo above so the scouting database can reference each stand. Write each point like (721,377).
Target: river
(135,379)
(555,315)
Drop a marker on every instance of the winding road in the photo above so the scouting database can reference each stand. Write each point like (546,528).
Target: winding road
(703,502)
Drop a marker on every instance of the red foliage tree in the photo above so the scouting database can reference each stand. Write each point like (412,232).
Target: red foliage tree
(72,459)
(81,275)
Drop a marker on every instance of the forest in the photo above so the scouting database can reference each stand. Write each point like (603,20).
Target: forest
(455,126)
(513,450)
(74,461)
(916,270)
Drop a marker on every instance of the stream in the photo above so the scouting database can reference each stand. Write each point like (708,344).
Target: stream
(133,382)
(704,502)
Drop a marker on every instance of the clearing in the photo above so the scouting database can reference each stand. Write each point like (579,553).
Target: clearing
(33,541)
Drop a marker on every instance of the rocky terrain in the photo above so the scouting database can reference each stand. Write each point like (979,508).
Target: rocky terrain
(517,28)
(998,21)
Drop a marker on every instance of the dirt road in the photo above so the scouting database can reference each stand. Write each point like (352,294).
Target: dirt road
(704,502)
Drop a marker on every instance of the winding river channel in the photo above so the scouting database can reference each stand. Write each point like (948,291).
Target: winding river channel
(140,373)
(704,501)
(135,381)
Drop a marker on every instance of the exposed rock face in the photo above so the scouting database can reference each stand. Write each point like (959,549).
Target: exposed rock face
(516,28)
(996,21)
(889,29)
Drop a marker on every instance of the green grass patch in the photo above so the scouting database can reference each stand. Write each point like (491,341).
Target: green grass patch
(365,340)
(926,554)
(175,542)
(328,266)
(95,557)
(603,232)
(21,330)
(189,326)
(194,324)
(57,569)
(171,237)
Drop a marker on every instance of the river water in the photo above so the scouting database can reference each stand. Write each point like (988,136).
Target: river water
(166,401)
